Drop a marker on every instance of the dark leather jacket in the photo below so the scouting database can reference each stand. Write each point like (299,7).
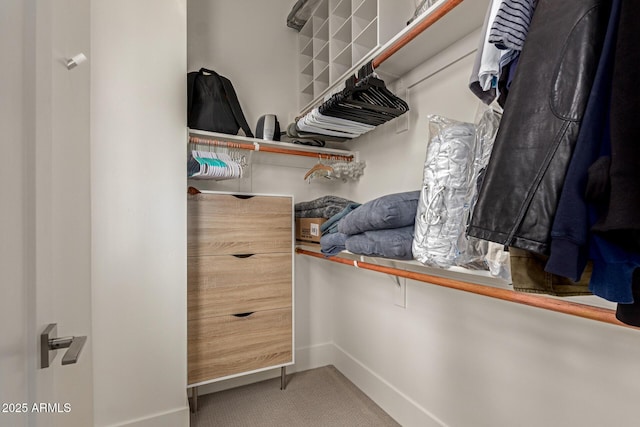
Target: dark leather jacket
(539,128)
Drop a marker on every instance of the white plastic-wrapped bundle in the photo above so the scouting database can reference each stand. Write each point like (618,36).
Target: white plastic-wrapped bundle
(444,203)
(476,250)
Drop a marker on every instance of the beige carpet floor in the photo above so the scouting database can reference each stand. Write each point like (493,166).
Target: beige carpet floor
(320,397)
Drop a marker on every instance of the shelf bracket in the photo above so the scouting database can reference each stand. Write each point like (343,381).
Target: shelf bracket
(402,122)
(400,292)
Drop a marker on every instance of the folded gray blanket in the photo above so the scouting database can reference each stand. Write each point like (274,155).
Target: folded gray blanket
(390,211)
(333,243)
(331,226)
(388,243)
(322,207)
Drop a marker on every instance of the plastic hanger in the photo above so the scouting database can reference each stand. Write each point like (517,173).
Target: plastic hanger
(365,100)
(368,101)
(319,169)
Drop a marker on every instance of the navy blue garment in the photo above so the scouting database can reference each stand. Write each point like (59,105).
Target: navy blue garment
(613,269)
(613,266)
(620,221)
(630,313)
(569,250)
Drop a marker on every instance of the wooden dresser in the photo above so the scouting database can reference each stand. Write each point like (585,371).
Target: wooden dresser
(240,284)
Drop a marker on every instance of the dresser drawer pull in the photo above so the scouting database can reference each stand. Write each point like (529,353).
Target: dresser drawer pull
(244,314)
(242,196)
(243,255)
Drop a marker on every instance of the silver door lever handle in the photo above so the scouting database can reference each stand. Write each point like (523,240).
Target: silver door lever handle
(49,344)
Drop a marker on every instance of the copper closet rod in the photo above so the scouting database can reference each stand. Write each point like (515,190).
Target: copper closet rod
(419,28)
(268,149)
(560,306)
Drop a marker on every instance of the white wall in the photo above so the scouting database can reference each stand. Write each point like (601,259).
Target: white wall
(448,358)
(138,118)
(249,43)
(14,156)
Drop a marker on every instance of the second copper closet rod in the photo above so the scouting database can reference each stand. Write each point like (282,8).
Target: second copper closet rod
(560,306)
(268,149)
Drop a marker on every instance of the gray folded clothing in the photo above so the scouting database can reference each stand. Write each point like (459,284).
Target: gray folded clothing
(390,211)
(321,202)
(331,226)
(392,243)
(322,207)
(331,244)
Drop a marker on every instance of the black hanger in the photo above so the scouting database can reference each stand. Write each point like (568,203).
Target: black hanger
(365,99)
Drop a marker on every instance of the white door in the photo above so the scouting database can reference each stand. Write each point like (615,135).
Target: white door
(45,247)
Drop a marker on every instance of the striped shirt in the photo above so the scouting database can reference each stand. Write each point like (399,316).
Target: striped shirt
(511,24)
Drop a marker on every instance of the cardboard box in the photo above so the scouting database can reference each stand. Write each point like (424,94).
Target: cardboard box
(308,229)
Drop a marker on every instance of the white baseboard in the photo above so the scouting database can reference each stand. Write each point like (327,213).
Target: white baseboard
(398,405)
(314,356)
(175,418)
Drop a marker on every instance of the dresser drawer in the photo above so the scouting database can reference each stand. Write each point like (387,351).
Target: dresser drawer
(227,345)
(226,284)
(220,224)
